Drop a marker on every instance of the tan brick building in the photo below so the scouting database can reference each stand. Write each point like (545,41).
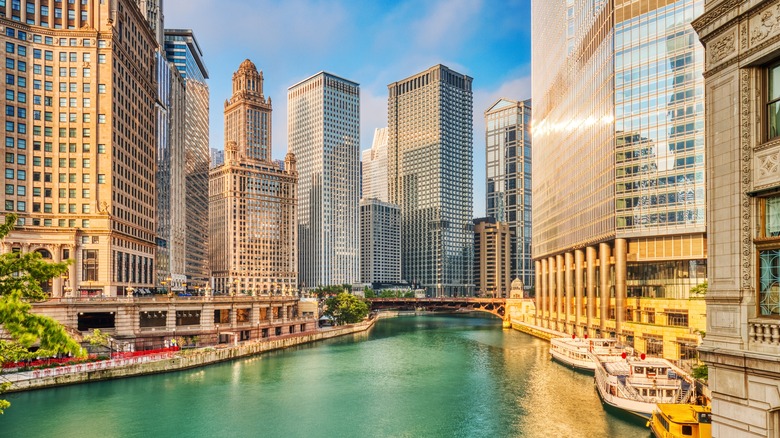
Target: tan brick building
(80,140)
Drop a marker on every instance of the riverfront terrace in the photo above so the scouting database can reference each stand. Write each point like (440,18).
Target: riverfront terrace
(144,323)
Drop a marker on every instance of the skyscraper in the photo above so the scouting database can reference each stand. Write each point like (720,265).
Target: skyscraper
(430,178)
(183,51)
(217,157)
(252,203)
(81,142)
(323,130)
(170,175)
(375,167)
(508,161)
(618,171)
(380,242)
(492,257)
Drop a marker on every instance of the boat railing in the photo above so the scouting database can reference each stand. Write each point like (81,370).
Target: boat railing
(661,381)
(629,392)
(687,395)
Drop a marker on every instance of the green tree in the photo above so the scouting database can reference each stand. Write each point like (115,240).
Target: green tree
(387,293)
(368,292)
(21,276)
(346,308)
(700,372)
(699,290)
(99,339)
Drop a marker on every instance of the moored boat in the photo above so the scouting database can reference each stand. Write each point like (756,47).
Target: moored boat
(577,352)
(636,385)
(681,421)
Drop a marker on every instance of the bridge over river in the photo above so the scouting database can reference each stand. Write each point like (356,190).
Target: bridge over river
(495,306)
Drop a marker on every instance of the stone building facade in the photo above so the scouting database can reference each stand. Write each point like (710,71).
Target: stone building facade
(742,346)
(252,199)
(81,141)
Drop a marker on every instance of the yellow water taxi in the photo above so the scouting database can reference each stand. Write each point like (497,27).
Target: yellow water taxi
(681,421)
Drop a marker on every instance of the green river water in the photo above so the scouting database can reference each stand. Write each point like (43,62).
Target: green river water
(411,376)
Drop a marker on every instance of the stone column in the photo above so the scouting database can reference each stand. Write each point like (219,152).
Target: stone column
(552,288)
(579,260)
(604,251)
(537,295)
(560,313)
(170,320)
(621,251)
(590,285)
(72,280)
(57,282)
(545,290)
(568,276)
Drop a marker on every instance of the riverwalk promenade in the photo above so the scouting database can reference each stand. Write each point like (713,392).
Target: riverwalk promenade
(168,361)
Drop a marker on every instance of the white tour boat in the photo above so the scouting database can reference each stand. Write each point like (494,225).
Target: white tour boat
(636,385)
(576,352)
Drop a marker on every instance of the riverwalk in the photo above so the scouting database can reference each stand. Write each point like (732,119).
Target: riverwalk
(168,361)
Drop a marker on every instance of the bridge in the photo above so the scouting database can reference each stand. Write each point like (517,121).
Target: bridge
(494,306)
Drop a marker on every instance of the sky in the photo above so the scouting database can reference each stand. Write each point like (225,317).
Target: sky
(373,43)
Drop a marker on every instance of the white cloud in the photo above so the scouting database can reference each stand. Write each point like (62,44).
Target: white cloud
(446,24)
(373,114)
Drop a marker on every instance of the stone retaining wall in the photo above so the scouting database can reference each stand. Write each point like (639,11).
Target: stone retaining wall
(190,358)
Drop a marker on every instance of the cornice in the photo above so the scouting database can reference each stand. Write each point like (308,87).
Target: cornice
(714,14)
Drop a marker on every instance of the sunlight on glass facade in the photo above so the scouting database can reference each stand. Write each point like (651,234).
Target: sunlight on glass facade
(508,161)
(618,165)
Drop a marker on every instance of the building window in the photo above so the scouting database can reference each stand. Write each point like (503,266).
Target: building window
(677,318)
(768,246)
(90,271)
(773,104)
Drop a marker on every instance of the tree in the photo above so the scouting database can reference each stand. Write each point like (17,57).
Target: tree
(346,308)
(699,290)
(368,292)
(99,339)
(700,372)
(21,276)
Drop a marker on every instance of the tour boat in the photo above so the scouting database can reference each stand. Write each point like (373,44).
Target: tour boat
(576,352)
(681,421)
(636,384)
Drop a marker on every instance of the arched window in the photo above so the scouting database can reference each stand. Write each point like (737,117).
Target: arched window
(46,286)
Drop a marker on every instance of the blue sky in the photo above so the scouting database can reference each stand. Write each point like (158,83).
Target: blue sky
(371,42)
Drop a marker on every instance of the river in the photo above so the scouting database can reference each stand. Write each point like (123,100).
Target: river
(411,376)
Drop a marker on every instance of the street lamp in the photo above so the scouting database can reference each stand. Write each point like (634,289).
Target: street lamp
(168,282)
(129,291)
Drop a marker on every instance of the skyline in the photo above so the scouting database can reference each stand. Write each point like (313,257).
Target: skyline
(359,42)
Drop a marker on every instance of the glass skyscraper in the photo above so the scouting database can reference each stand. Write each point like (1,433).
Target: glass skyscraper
(183,51)
(323,129)
(430,144)
(619,195)
(508,161)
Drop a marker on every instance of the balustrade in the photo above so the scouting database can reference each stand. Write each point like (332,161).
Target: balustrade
(764,333)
